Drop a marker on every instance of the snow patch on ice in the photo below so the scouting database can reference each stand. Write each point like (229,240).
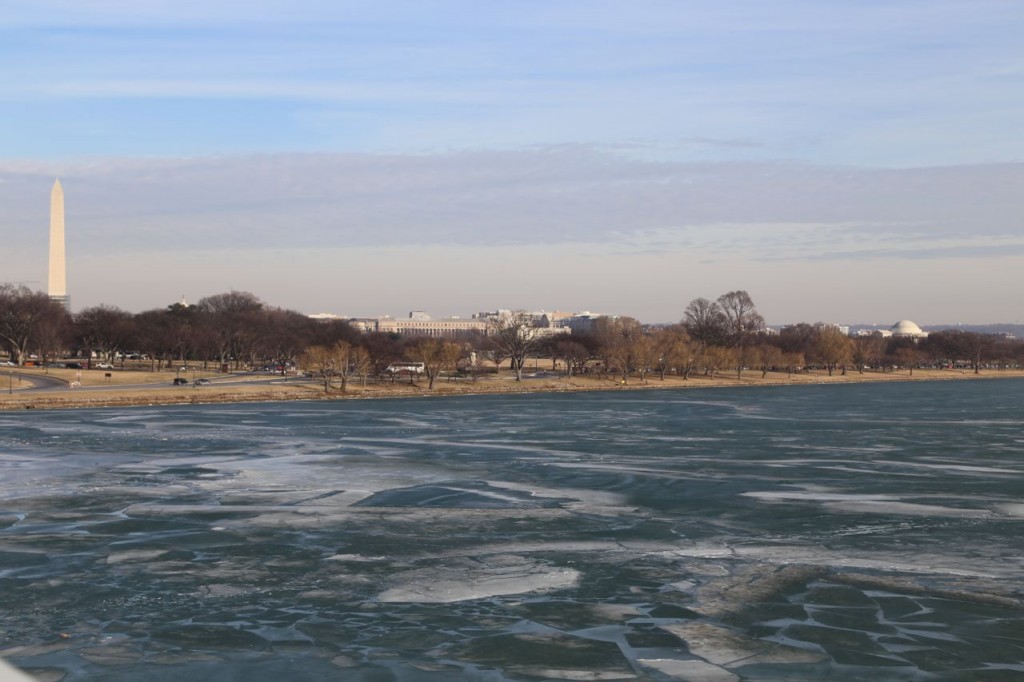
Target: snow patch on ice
(689,670)
(1014,509)
(469,579)
(871,504)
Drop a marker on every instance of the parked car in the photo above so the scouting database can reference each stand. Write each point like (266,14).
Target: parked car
(203,382)
(180,381)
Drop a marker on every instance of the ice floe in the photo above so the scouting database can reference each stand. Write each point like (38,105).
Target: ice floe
(491,576)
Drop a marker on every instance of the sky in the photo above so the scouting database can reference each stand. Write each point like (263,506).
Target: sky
(848,161)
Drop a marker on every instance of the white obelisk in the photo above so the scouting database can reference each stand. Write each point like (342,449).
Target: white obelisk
(58,285)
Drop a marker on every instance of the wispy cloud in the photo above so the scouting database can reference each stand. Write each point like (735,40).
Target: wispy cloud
(930,253)
(546,196)
(861,83)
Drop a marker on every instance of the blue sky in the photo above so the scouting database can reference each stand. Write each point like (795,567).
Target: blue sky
(701,146)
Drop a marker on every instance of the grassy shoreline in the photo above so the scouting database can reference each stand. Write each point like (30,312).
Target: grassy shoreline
(138,389)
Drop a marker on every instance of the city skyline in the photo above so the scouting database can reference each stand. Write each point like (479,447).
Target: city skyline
(853,162)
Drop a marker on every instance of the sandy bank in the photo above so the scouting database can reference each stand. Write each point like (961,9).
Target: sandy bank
(146,388)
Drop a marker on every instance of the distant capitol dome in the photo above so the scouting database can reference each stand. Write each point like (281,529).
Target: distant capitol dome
(907,328)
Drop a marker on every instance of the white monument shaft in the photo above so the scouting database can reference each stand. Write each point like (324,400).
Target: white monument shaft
(58,286)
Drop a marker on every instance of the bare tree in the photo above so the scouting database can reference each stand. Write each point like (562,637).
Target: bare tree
(964,347)
(908,356)
(687,360)
(620,351)
(573,353)
(327,332)
(617,344)
(286,334)
(872,349)
(741,317)
(383,349)
(981,346)
(88,331)
(51,336)
(714,358)
(705,322)
(160,336)
(350,361)
(436,355)
(792,362)
(859,354)
(675,351)
(320,362)
(513,335)
(797,338)
(769,357)
(646,355)
(495,353)
(340,359)
(361,363)
(234,319)
(743,356)
(102,330)
(833,349)
(25,316)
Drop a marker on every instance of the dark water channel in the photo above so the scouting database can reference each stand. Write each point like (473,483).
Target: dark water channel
(841,532)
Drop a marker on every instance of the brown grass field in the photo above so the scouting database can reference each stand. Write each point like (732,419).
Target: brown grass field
(142,387)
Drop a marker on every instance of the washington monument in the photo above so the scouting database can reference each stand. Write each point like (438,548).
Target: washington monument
(58,286)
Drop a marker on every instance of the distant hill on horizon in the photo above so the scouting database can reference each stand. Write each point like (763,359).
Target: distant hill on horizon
(1001,328)
(992,328)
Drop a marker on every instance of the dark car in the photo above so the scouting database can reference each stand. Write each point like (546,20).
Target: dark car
(180,381)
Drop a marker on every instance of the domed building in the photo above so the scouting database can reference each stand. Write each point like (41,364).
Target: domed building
(907,330)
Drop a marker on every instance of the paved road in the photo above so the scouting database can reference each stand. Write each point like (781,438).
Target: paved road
(38,381)
(44,383)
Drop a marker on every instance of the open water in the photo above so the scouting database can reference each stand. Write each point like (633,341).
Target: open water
(858,532)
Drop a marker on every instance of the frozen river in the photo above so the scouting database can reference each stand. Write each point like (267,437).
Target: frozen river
(847,532)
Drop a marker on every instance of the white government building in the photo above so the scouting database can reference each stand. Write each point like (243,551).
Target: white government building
(419,323)
(904,329)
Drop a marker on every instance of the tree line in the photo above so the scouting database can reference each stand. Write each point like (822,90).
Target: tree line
(236,330)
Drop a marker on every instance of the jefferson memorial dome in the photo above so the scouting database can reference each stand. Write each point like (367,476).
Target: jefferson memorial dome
(908,329)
